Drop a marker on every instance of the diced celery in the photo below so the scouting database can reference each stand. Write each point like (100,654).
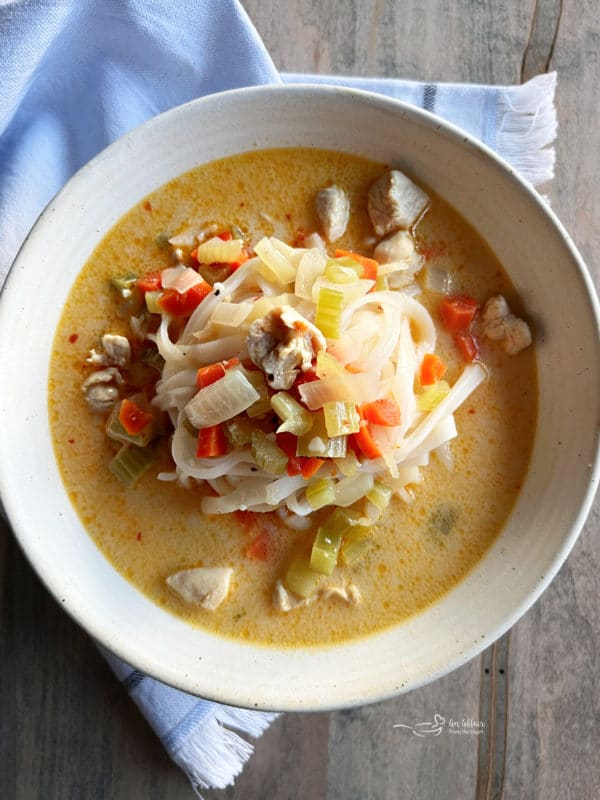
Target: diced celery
(267,455)
(124,285)
(327,365)
(321,493)
(432,395)
(317,443)
(152,299)
(300,578)
(116,431)
(324,554)
(443,519)
(382,283)
(349,263)
(238,431)
(162,240)
(151,357)
(296,419)
(130,463)
(349,465)
(354,548)
(337,273)
(379,495)
(329,312)
(263,403)
(346,521)
(341,418)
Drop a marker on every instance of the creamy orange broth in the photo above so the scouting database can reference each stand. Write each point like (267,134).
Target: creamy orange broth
(157,528)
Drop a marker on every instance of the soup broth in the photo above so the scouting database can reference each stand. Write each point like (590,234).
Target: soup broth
(422,548)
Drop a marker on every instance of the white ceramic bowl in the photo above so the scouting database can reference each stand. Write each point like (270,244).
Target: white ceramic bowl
(550,277)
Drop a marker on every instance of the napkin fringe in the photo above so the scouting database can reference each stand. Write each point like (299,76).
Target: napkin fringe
(212,756)
(527,127)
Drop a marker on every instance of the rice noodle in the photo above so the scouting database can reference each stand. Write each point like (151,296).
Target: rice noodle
(384,335)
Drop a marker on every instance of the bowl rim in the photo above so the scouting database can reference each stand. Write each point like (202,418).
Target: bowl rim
(98,629)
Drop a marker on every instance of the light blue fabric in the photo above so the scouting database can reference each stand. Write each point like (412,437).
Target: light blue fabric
(77,74)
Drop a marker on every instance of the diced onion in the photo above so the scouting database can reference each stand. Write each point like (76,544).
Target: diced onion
(180,278)
(341,388)
(222,400)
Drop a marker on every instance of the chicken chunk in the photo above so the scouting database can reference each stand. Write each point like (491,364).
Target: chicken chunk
(100,390)
(394,202)
(333,209)
(500,324)
(283,343)
(286,601)
(399,250)
(333,587)
(117,351)
(204,586)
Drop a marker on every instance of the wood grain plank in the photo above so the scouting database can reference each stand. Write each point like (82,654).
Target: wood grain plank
(452,40)
(68,727)
(493,707)
(553,747)
(290,761)
(370,758)
(542,38)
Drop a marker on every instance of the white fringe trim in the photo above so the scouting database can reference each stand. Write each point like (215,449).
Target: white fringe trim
(527,127)
(212,756)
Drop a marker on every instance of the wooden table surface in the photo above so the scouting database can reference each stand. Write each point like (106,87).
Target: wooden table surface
(68,729)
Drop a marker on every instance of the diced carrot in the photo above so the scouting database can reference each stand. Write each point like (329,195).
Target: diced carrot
(178,304)
(352,369)
(211,442)
(226,236)
(369,265)
(133,418)
(310,466)
(467,346)
(246,519)
(306,466)
(260,547)
(382,412)
(213,372)
(244,256)
(365,442)
(288,443)
(457,312)
(432,369)
(304,377)
(151,282)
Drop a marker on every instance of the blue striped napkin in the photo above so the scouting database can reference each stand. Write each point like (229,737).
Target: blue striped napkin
(77,75)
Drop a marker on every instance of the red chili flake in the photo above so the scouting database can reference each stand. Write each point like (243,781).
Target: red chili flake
(432,250)
(242,205)
(71,441)
(471,411)
(299,237)
(73,338)
(139,536)
(288,217)
(148,206)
